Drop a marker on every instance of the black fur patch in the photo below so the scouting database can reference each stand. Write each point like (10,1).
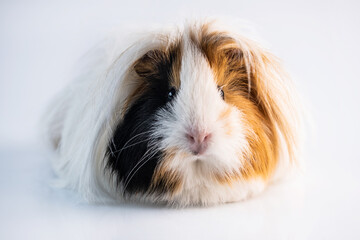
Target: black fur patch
(130,142)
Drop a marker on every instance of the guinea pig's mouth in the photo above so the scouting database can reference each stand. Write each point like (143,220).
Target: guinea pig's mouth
(199,159)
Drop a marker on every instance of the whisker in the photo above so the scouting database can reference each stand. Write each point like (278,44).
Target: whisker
(138,135)
(132,176)
(130,135)
(146,157)
(138,127)
(131,145)
(111,151)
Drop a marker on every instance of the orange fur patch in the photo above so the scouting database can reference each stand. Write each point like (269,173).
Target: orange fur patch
(164,179)
(243,81)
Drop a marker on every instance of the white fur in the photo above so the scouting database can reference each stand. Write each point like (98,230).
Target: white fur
(198,104)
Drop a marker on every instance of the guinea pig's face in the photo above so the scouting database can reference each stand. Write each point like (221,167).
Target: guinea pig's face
(193,121)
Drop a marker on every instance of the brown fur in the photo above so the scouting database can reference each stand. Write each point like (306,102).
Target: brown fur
(242,77)
(165,180)
(148,67)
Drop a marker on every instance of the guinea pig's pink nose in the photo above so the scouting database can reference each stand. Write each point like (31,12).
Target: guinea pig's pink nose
(199,141)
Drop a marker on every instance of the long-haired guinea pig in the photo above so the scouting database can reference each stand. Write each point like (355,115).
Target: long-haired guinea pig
(196,115)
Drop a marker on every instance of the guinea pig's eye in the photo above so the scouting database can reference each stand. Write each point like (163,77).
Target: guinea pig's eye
(171,93)
(222,94)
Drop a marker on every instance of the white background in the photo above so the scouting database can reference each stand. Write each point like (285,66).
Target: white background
(319,42)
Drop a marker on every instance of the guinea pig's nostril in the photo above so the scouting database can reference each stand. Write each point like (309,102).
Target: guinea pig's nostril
(207,137)
(190,138)
(203,138)
(198,138)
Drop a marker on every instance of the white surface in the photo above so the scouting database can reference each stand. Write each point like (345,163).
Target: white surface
(319,43)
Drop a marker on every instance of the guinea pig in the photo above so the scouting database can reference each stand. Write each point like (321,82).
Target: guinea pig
(192,115)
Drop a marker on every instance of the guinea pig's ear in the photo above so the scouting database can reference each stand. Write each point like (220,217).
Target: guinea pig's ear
(148,65)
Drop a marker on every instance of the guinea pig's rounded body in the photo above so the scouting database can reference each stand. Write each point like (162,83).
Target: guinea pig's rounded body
(192,116)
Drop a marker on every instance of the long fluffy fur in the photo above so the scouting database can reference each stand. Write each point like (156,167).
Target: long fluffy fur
(84,117)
